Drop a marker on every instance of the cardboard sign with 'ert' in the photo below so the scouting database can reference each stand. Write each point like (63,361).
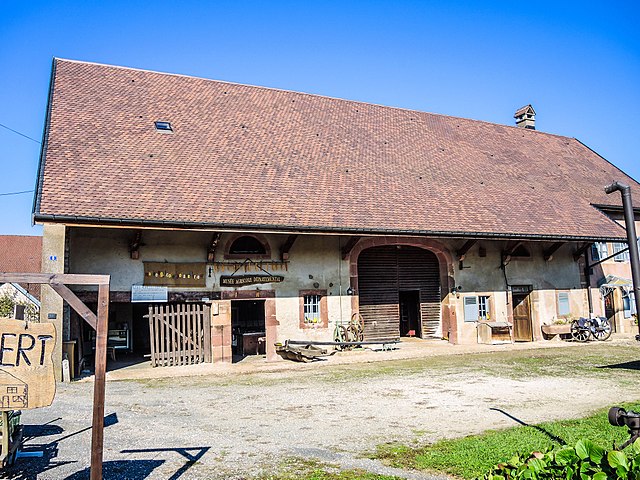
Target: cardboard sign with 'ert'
(26,364)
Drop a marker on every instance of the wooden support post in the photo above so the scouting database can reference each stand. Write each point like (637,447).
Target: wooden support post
(97,428)
(59,282)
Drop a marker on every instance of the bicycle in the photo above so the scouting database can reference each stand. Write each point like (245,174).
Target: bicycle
(584,328)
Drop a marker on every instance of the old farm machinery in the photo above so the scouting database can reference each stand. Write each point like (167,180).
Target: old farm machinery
(346,337)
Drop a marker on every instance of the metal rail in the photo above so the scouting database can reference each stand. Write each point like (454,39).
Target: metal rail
(343,344)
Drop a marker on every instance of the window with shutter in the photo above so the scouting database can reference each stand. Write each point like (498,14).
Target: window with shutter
(629,304)
(484,308)
(563,304)
(622,257)
(626,306)
(470,309)
(603,249)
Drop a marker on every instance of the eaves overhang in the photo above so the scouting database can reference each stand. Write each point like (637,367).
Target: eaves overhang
(614,208)
(89,221)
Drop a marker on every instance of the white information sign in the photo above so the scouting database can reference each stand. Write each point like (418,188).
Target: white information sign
(146,293)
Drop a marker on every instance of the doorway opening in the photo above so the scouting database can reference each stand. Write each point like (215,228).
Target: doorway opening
(248,328)
(396,281)
(610,309)
(522,321)
(410,322)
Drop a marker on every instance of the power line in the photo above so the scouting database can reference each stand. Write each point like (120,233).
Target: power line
(15,193)
(21,134)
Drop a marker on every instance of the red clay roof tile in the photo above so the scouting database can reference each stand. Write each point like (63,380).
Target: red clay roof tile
(256,157)
(21,254)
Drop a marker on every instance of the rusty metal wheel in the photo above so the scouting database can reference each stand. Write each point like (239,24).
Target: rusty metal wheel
(357,326)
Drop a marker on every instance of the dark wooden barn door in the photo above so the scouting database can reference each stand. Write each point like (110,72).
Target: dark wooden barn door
(384,272)
(378,290)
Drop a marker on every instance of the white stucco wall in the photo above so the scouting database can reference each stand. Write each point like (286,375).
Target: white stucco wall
(107,251)
(483,276)
(317,260)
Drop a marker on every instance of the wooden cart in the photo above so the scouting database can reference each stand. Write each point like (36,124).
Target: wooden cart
(299,353)
(10,436)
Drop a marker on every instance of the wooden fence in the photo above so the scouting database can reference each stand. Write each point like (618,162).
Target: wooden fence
(180,334)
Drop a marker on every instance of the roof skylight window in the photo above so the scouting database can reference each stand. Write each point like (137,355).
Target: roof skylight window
(163,126)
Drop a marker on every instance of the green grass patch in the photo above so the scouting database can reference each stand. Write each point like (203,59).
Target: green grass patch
(472,456)
(303,469)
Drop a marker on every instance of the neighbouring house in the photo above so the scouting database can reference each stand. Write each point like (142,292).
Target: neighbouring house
(16,302)
(20,253)
(611,282)
(284,214)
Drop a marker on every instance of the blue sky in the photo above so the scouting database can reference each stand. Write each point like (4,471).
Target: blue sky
(578,63)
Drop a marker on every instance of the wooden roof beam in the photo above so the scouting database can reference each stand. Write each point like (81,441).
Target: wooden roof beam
(465,249)
(548,253)
(286,247)
(47,278)
(135,244)
(346,250)
(581,249)
(508,251)
(211,251)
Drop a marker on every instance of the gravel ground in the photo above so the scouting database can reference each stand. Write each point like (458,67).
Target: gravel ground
(230,425)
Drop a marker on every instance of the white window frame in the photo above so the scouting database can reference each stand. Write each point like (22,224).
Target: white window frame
(622,257)
(477,308)
(628,304)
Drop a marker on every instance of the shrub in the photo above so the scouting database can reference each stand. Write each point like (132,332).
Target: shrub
(583,462)
(6,305)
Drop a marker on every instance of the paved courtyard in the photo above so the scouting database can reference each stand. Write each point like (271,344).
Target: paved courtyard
(244,421)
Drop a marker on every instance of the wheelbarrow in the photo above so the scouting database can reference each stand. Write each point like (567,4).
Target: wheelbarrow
(300,353)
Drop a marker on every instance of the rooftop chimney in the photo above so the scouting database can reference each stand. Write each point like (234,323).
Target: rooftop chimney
(526,117)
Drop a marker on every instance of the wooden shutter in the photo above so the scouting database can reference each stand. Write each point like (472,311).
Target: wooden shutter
(471,309)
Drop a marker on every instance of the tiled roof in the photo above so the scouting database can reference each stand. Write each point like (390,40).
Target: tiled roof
(21,253)
(252,157)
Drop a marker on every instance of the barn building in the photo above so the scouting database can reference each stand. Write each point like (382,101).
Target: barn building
(284,214)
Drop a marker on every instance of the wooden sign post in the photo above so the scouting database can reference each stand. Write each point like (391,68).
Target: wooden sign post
(16,350)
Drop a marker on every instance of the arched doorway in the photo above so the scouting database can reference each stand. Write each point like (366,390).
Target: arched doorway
(399,292)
